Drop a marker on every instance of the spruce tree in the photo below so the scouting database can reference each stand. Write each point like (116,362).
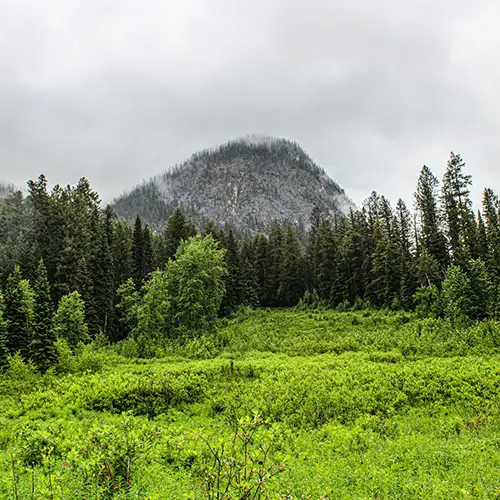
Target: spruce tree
(247,282)
(43,352)
(457,209)
(431,236)
(137,253)
(148,263)
(233,298)
(291,287)
(492,222)
(3,334)
(18,313)
(275,256)
(405,261)
(179,228)
(261,253)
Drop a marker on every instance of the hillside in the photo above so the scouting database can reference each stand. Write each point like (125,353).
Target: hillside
(243,184)
(5,189)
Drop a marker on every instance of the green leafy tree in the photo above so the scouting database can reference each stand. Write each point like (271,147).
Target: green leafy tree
(69,320)
(127,299)
(196,283)
(186,296)
(43,352)
(18,313)
(457,293)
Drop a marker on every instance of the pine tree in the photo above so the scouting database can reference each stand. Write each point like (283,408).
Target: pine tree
(138,253)
(275,256)
(291,287)
(18,313)
(324,260)
(99,299)
(431,239)
(148,254)
(491,213)
(458,214)
(248,285)
(402,234)
(261,253)
(43,352)
(3,335)
(179,228)
(121,249)
(233,298)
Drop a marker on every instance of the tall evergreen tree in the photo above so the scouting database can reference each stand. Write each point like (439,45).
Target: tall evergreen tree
(138,253)
(291,287)
(148,264)
(491,213)
(248,284)
(43,352)
(432,239)
(405,262)
(275,255)
(261,253)
(457,208)
(3,334)
(179,228)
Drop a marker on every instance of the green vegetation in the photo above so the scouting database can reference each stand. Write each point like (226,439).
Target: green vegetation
(308,403)
(133,365)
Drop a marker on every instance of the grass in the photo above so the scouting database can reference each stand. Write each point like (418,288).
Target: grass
(351,405)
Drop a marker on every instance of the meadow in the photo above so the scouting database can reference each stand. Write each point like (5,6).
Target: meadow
(278,404)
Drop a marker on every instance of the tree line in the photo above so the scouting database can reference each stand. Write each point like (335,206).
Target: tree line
(70,268)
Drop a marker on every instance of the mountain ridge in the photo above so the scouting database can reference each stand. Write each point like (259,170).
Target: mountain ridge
(242,184)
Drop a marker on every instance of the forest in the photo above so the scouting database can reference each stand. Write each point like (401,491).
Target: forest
(359,362)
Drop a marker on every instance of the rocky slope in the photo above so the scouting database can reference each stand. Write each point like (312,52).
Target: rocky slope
(243,184)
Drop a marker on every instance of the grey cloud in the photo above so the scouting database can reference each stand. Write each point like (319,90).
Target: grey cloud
(119,91)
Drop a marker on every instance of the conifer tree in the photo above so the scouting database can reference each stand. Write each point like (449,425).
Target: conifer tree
(138,253)
(492,222)
(179,228)
(324,260)
(432,239)
(457,208)
(18,313)
(233,298)
(248,284)
(275,255)
(148,254)
(261,253)
(43,352)
(122,252)
(99,298)
(3,334)
(291,287)
(402,232)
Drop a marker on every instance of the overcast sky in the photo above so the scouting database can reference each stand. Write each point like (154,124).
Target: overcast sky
(119,90)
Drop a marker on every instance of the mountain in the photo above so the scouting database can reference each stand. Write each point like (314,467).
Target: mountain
(243,184)
(6,189)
